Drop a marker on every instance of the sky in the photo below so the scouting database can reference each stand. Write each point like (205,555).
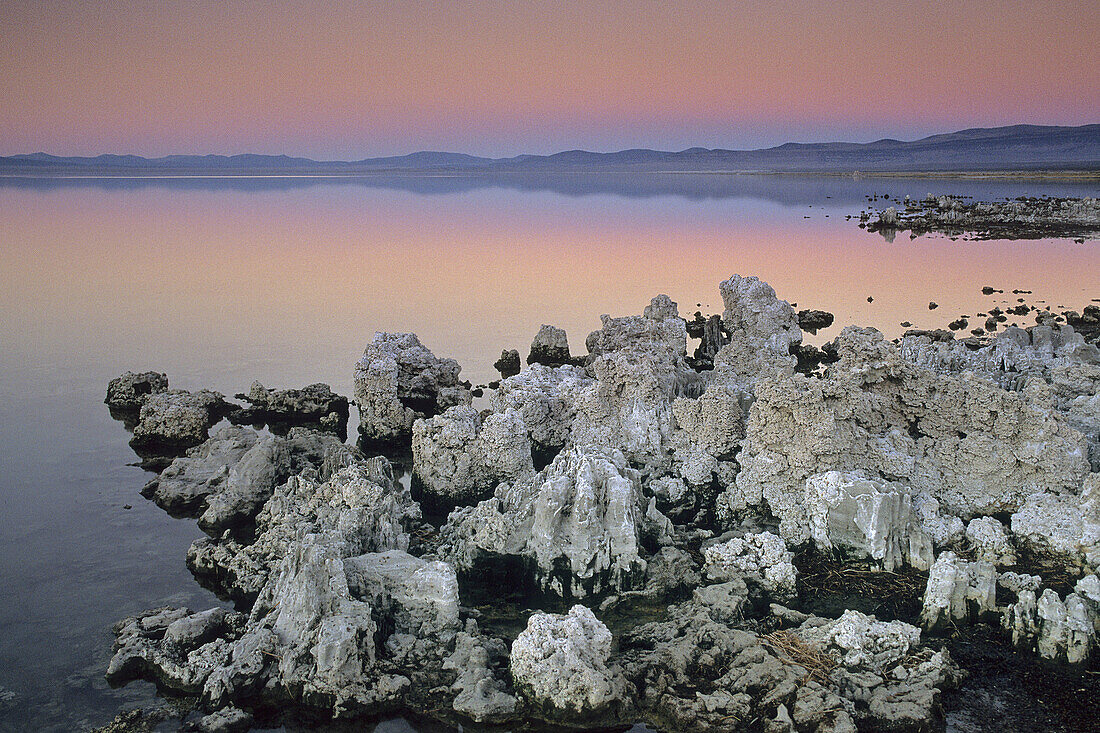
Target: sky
(331,79)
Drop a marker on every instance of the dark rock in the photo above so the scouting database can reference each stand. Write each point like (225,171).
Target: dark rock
(938,334)
(315,406)
(958,325)
(933,305)
(814,320)
(508,364)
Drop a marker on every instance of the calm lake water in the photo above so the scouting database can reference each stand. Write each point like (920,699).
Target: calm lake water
(219,282)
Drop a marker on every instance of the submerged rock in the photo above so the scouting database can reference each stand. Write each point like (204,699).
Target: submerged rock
(315,405)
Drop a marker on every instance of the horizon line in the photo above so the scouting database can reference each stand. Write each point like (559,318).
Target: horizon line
(548,155)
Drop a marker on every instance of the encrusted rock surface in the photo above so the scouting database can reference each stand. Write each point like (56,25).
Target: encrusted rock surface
(171,422)
(684,500)
(397,381)
(128,392)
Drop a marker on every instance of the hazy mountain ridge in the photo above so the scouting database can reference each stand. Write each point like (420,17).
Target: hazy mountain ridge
(997,148)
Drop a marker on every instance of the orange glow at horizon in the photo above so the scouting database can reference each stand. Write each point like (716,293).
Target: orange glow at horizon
(346,80)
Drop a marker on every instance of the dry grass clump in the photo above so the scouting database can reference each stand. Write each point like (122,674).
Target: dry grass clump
(894,593)
(818,664)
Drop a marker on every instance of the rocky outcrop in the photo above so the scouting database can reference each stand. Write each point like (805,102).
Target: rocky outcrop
(580,525)
(1065,525)
(508,365)
(171,422)
(560,664)
(461,456)
(360,508)
(814,320)
(398,381)
(128,392)
(958,591)
(761,559)
(315,405)
(867,518)
(550,347)
(972,446)
(237,469)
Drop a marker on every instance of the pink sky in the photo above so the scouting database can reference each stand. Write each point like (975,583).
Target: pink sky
(350,80)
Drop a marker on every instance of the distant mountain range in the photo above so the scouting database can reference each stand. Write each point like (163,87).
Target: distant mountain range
(1018,147)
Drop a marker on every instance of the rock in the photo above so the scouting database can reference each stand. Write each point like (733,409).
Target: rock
(957,591)
(579,525)
(228,477)
(508,364)
(459,457)
(171,422)
(546,398)
(477,661)
(1063,524)
(990,541)
(867,518)
(712,335)
(549,347)
(762,327)
(226,720)
(933,305)
(814,320)
(762,559)
(128,392)
(862,642)
(397,381)
(359,509)
(560,662)
(960,439)
(959,324)
(315,405)
(1062,630)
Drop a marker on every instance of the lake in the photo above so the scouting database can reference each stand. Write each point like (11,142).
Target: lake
(219,282)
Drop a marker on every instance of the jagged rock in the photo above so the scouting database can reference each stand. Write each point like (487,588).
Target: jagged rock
(560,662)
(546,398)
(419,598)
(715,421)
(1063,524)
(359,509)
(763,329)
(862,642)
(128,392)
(315,405)
(227,478)
(509,364)
(990,541)
(579,524)
(957,590)
(397,381)
(1058,629)
(173,647)
(482,693)
(962,440)
(549,347)
(712,335)
(459,457)
(814,320)
(868,518)
(171,422)
(762,559)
